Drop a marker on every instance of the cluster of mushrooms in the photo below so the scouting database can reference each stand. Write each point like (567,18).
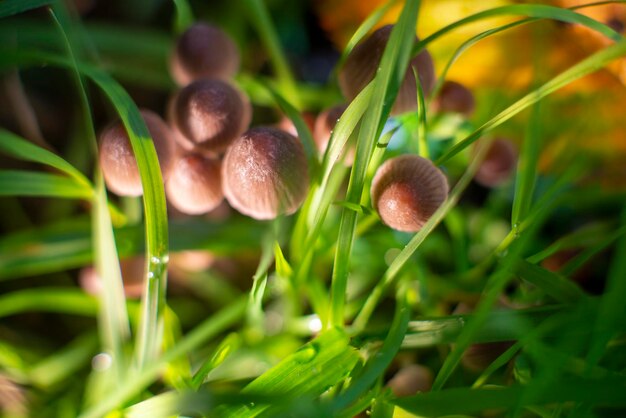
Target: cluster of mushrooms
(207,151)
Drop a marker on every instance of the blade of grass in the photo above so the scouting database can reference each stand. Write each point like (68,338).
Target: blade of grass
(22,149)
(33,183)
(114,322)
(184,16)
(13,7)
(587,66)
(198,336)
(555,285)
(528,10)
(261,20)
(422,140)
(605,392)
(387,81)
(527,167)
(48,299)
(574,264)
(375,368)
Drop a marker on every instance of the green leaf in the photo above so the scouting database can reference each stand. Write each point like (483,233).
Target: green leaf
(13,7)
(32,183)
(184,16)
(605,392)
(22,149)
(311,370)
(45,299)
(386,83)
(587,66)
(555,285)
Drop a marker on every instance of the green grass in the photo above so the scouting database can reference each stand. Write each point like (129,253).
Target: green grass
(334,302)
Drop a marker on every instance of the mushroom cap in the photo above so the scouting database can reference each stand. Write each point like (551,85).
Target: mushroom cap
(363,62)
(455,97)
(324,125)
(407,190)
(119,166)
(499,163)
(210,114)
(411,379)
(265,173)
(132,269)
(203,51)
(195,185)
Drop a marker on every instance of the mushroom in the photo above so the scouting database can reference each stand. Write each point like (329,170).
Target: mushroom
(363,62)
(117,159)
(265,173)
(203,51)
(455,97)
(411,379)
(324,125)
(195,185)
(210,114)
(500,161)
(407,190)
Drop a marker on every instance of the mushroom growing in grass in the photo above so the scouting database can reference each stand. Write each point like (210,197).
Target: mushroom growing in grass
(195,185)
(203,51)
(265,173)
(324,125)
(210,114)
(499,163)
(455,98)
(410,380)
(364,60)
(117,159)
(407,190)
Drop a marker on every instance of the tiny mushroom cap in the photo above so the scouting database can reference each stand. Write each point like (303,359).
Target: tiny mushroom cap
(500,161)
(411,379)
(119,166)
(203,51)
(195,185)
(363,62)
(265,173)
(407,190)
(455,97)
(210,114)
(324,125)
(133,271)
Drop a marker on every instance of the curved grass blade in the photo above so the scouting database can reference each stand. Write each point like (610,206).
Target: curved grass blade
(587,66)
(33,183)
(48,299)
(22,149)
(13,7)
(528,10)
(555,285)
(378,363)
(184,16)
(393,66)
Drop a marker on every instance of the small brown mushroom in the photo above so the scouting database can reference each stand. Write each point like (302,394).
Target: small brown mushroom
(210,114)
(407,190)
(455,97)
(324,125)
(499,163)
(265,174)
(133,272)
(195,185)
(363,62)
(203,51)
(411,379)
(117,159)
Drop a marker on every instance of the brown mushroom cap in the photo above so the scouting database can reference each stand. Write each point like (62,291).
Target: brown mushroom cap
(455,97)
(411,379)
(363,62)
(203,51)
(500,161)
(324,125)
(407,190)
(195,185)
(265,173)
(117,159)
(210,114)
(133,271)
